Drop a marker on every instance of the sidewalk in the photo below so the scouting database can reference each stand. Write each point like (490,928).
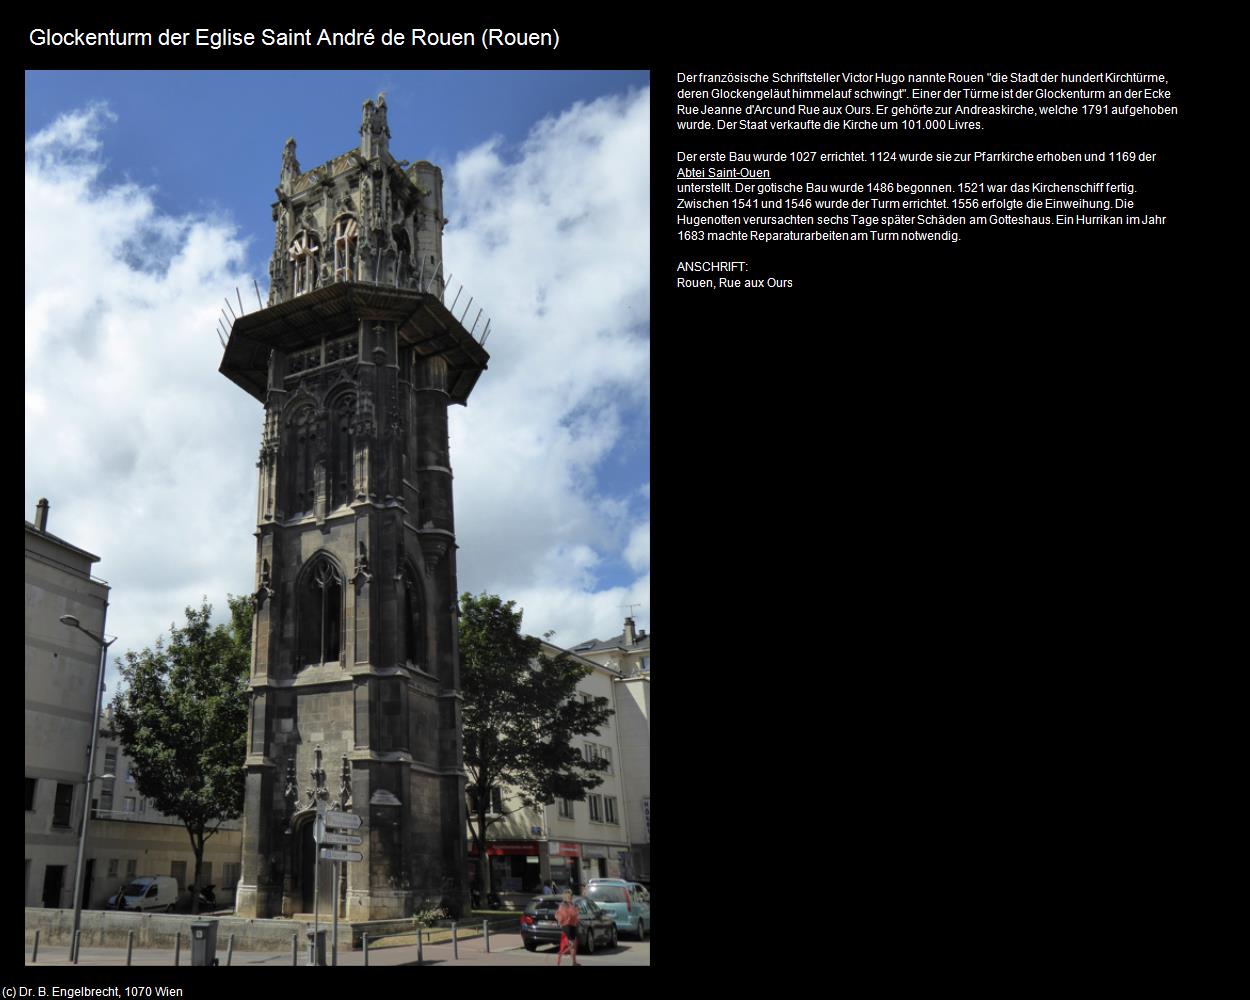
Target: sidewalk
(472,951)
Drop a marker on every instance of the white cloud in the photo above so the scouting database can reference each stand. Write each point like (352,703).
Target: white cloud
(556,244)
(147,453)
(130,431)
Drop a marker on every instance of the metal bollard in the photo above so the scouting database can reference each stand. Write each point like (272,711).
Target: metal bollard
(455,945)
(486,934)
(295,948)
(77,938)
(420,951)
(130,945)
(177,947)
(365,941)
(35,957)
(229,949)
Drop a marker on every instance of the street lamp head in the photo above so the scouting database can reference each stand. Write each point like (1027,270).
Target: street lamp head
(105,777)
(69,620)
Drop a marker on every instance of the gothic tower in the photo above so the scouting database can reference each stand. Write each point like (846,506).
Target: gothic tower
(356,360)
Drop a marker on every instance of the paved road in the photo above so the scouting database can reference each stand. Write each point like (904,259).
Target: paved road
(505,949)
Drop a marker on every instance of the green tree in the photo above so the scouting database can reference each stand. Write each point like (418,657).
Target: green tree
(182,720)
(520,712)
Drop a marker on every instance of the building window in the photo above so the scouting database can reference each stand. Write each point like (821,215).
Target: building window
(345,249)
(178,869)
(496,800)
(605,754)
(320,614)
(128,804)
(596,807)
(609,807)
(143,805)
(414,637)
(130,777)
(113,863)
(32,784)
(588,751)
(106,801)
(304,254)
(110,761)
(566,808)
(644,664)
(230,873)
(131,866)
(64,803)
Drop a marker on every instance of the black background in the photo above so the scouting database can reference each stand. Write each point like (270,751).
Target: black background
(920,524)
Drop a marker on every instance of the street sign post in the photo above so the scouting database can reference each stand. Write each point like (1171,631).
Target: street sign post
(330,854)
(342,820)
(338,821)
(348,839)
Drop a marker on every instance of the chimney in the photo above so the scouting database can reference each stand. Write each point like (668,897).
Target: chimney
(629,632)
(41,515)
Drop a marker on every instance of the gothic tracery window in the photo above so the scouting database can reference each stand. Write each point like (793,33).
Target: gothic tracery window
(413,632)
(345,248)
(301,447)
(320,614)
(342,464)
(305,253)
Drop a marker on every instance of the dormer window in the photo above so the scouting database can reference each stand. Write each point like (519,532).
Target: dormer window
(345,248)
(304,252)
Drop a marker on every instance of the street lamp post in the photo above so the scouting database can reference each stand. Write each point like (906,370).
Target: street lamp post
(79,873)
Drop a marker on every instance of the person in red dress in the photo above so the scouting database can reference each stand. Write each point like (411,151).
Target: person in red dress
(568,918)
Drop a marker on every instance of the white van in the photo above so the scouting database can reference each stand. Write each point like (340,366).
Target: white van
(151,892)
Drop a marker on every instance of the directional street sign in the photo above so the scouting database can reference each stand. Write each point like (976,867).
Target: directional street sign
(344,821)
(328,854)
(349,839)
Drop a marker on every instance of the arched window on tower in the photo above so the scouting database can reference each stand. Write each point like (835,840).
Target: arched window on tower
(342,457)
(305,253)
(414,633)
(345,248)
(300,456)
(320,613)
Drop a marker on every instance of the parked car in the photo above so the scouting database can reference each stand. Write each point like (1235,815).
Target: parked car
(150,892)
(627,902)
(539,924)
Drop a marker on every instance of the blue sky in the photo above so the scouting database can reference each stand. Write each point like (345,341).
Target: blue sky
(148,199)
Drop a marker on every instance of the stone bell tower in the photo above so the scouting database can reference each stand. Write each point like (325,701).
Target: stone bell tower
(356,360)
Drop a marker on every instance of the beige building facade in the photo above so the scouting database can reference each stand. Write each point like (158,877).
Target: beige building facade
(571,842)
(627,659)
(129,838)
(61,684)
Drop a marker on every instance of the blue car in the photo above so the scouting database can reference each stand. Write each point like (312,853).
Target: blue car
(628,903)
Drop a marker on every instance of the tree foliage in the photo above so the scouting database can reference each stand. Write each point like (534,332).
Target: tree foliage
(182,720)
(521,711)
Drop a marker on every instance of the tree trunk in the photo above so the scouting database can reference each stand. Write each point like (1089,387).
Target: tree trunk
(197,846)
(483,857)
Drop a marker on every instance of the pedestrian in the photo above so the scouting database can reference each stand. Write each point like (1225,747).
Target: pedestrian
(568,918)
(547,889)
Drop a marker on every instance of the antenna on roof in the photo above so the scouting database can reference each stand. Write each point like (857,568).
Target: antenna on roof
(225,317)
(485,333)
(227,301)
(240,298)
(466,310)
(476,320)
(630,607)
(257,287)
(223,343)
(455,300)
